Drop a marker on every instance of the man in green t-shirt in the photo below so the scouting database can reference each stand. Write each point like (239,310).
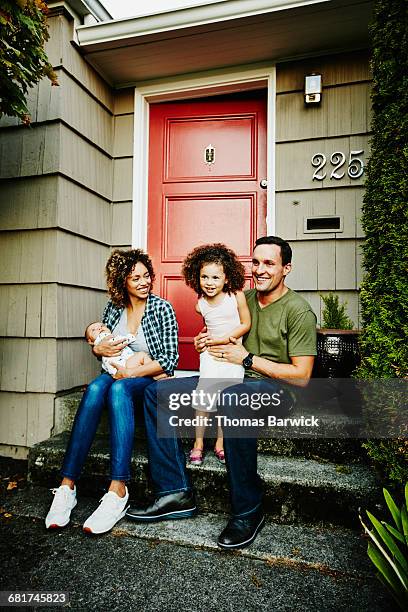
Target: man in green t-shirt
(277,353)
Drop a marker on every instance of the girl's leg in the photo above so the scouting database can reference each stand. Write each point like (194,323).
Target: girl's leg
(200,430)
(219,443)
(84,428)
(124,395)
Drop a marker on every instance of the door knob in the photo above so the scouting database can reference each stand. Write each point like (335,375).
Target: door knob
(264,183)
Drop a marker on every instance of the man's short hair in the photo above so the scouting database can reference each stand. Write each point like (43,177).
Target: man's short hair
(286,251)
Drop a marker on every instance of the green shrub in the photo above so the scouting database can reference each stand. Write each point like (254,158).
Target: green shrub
(334,314)
(388,548)
(384,293)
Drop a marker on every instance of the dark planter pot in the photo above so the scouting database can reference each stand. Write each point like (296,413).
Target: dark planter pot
(338,353)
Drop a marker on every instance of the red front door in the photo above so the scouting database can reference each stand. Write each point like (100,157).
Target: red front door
(206,161)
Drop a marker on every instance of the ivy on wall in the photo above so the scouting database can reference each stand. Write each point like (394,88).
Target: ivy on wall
(384,293)
(23,61)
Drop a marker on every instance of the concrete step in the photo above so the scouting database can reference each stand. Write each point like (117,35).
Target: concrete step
(177,564)
(296,489)
(331,447)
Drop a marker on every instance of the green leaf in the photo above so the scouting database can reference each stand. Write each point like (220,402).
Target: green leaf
(393,509)
(400,574)
(404,519)
(389,541)
(384,567)
(406,495)
(394,532)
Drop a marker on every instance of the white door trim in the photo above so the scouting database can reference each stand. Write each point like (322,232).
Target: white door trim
(207,84)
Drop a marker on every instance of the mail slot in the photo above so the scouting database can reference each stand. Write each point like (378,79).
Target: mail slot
(325,223)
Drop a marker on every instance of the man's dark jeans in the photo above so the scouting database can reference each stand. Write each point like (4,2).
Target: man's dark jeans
(166,456)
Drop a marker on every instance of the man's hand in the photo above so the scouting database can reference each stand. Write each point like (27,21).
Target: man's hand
(109,349)
(200,341)
(232,353)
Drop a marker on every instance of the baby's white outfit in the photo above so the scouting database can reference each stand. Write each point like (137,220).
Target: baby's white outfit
(220,321)
(122,358)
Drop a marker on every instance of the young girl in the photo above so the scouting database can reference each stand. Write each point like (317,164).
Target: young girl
(217,276)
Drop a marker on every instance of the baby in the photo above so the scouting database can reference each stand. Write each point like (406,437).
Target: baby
(97,331)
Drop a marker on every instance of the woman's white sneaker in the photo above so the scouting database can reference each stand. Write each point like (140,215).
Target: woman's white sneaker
(63,503)
(111,509)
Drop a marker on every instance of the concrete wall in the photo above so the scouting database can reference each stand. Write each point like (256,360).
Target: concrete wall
(323,261)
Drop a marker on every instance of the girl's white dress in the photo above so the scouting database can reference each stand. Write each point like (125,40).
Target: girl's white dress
(220,321)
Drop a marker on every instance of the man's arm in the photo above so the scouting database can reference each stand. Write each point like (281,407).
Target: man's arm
(298,372)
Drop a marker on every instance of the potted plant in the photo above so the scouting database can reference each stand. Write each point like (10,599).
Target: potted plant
(337,342)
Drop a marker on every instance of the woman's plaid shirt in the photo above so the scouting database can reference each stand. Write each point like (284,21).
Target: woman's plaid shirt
(159,326)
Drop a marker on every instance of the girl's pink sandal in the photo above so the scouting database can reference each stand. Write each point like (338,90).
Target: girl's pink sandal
(196,456)
(220,455)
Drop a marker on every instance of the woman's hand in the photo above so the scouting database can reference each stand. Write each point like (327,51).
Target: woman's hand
(122,372)
(106,348)
(200,341)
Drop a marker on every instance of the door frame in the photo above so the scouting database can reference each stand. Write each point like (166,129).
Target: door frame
(200,86)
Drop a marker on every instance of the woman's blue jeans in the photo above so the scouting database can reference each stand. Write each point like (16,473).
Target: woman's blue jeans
(120,397)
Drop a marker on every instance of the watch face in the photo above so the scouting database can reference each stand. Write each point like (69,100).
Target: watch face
(247,362)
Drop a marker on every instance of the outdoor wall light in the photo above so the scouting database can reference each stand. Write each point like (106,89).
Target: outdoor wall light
(313,88)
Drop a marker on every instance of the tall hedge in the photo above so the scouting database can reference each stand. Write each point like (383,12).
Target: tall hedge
(384,293)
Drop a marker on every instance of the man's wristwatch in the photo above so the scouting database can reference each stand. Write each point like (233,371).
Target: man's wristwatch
(247,361)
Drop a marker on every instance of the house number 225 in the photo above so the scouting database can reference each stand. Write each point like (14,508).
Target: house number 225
(354,170)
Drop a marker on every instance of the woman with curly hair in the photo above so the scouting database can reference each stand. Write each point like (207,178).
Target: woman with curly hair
(217,277)
(132,309)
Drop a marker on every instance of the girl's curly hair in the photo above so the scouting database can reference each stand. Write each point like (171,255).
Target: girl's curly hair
(213,253)
(118,267)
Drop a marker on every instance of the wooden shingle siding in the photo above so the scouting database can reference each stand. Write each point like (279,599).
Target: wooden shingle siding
(122,179)
(83,114)
(29,256)
(45,365)
(28,364)
(82,212)
(124,102)
(28,203)
(123,169)
(53,148)
(48,310)
(24,417)
(336,70)
(77,308)
(292,207)
(323,261)
(61,52)
(76,364)
(28,311)
(294,170)
(81,262)
(29,152)
(85,164)
(123,141)
(122,223)
(50,256)
(56,181)
(344,110)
